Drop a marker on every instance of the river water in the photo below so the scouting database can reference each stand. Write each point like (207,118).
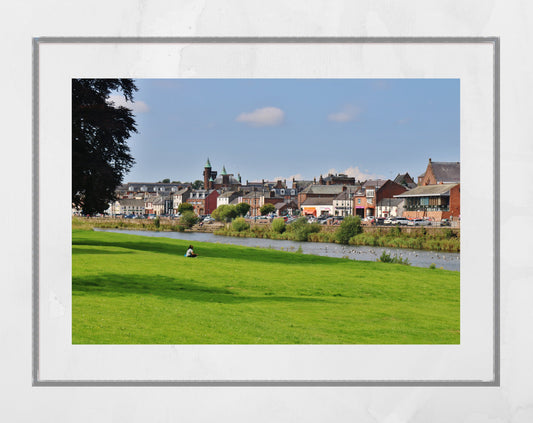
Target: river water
(418,258)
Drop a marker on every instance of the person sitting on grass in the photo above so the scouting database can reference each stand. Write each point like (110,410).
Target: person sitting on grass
(190,252)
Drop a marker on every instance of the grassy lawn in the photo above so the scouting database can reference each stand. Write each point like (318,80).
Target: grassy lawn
(129,289)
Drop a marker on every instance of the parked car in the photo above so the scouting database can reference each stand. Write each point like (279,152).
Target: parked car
(400,221)
(389,221)
(445,222)
(419,222)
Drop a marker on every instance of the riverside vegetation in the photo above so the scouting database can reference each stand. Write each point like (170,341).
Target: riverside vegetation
(350,232)
(130,289)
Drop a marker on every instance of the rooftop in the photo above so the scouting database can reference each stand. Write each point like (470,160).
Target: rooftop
(428,191)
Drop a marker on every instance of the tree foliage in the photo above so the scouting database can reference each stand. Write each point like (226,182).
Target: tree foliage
(266,209)
(240,224)
(350,226)
(301,229)
(198,184)
(188,219)
(278,225)
(100,129)
(184,207)
(224,213)
(242,208)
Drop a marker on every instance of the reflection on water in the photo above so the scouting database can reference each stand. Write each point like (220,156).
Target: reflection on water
(419,258)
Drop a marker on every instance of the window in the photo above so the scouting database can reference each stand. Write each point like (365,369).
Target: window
(358,201)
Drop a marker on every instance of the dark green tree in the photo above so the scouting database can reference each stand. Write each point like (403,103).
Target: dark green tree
(224,213)
(100,129)
(166,181)
(266,209)
(188,219)
(242,208)
(198,184)
(183,207)
(350,226)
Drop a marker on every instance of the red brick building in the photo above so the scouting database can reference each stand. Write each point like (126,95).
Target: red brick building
(203,201)
(372,192)
(441,173)
(436,202)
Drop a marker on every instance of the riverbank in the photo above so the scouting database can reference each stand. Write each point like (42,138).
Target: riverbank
(434,239)
(440,239)
(129,289)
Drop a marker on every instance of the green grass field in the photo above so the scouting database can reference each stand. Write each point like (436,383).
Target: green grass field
(129,289)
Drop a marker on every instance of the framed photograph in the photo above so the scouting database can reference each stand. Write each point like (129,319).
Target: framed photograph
(248,120)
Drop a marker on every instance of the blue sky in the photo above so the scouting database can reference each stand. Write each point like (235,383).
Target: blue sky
(284,128)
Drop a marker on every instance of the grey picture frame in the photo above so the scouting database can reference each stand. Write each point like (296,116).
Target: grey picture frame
(492,41)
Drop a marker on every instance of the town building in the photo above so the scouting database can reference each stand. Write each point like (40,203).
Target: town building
(320,191)
(227,197)
(317,206)
(180,197)
(343,204)
(405,180)
(390,207)
(126,206)
(224,181)
(286,208)
(258,198)
(203,201)
(337,179)
(435,202)
(441,173)
(140,189)
(372,192)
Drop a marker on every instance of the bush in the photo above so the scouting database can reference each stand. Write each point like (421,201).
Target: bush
(278,225)
(188,219)
(267,209)
(240,224)
(301,229)
(386,258)
(157,222)
(350,226)
(242,208)
(185,207)
(224,213)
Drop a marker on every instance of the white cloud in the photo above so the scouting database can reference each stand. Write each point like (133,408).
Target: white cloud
(347,114)
(297,177)
(356,173)
(136,106)
(267,116)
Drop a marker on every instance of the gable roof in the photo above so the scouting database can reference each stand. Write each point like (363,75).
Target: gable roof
(318,201)
(447,171)
(323,189)
(428,191)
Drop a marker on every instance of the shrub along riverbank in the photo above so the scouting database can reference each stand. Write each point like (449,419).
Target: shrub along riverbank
(435,239)
(421,238)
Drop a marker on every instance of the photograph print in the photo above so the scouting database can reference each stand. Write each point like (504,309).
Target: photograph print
(266,211)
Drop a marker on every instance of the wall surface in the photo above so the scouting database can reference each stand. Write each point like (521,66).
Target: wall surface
(511,401)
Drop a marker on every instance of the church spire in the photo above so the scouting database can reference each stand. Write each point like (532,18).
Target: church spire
(208,164)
